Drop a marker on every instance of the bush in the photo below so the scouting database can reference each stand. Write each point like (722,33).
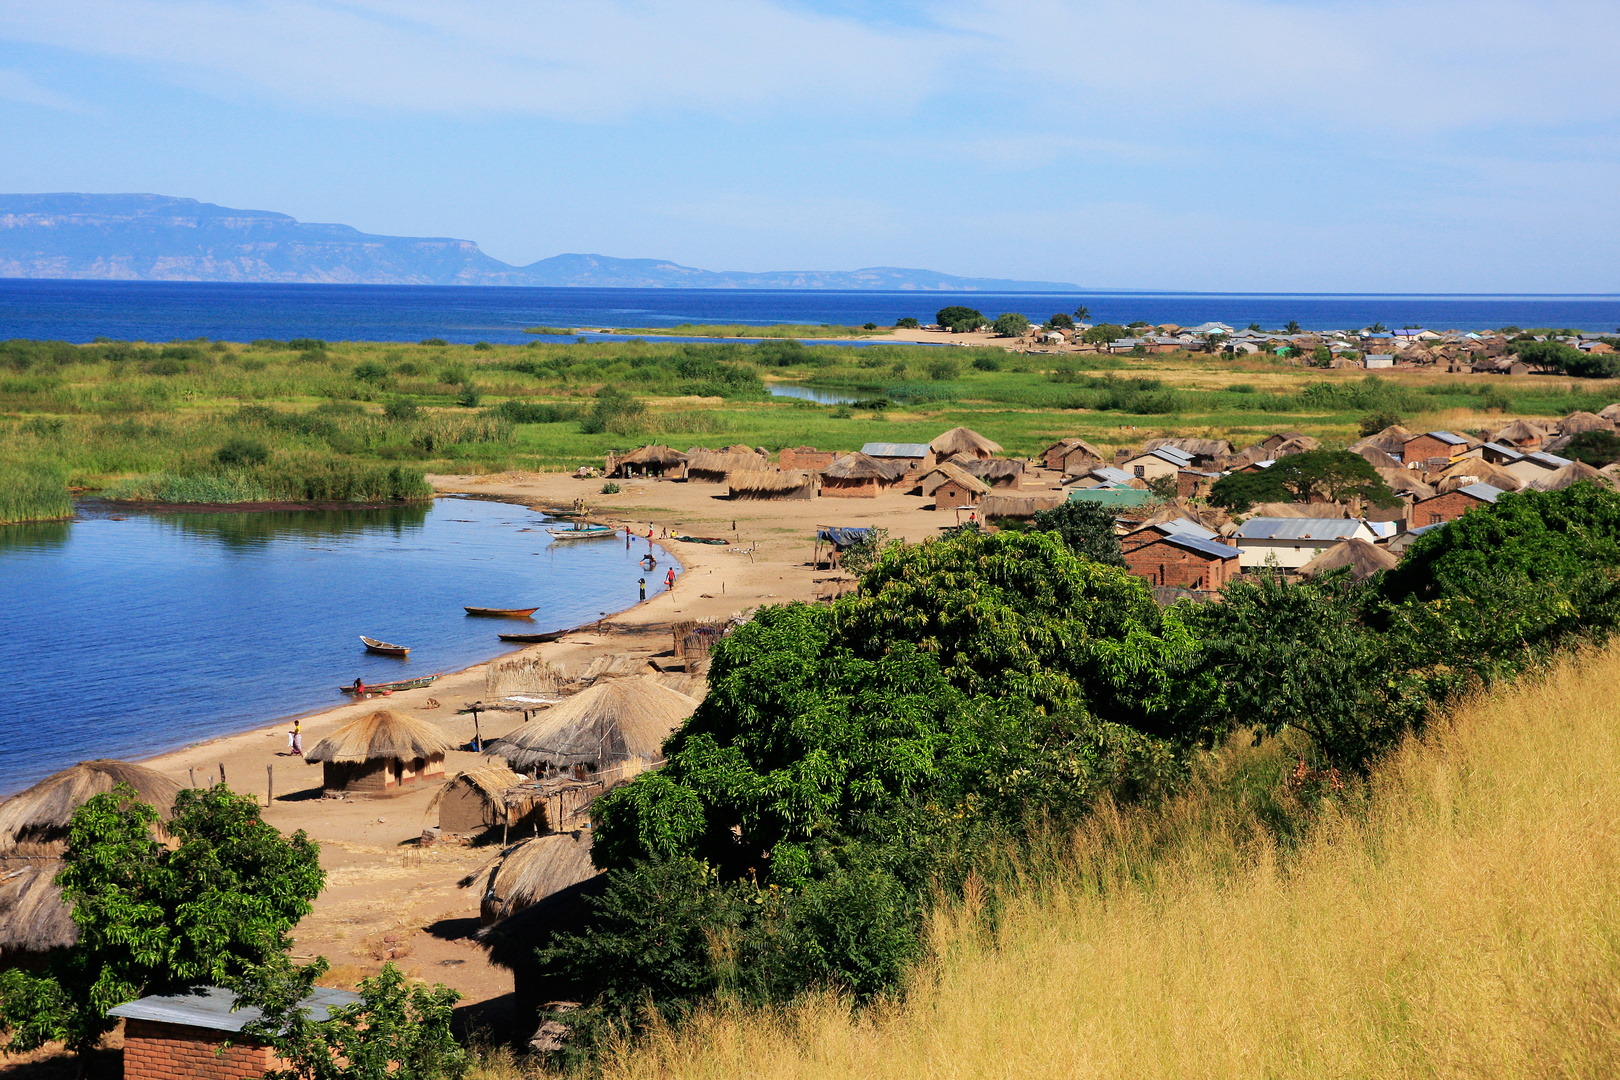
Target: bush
(1011,324)
(438,342)
(1061,321)
(1595,448)
(370,371)
(610,488)
(242,452)
(306,344)
(523,412)
(943,369)
(1373,423)
(483,346)
(907,323)
(401,409)
(959,319)
(615,410)
(468,397)
(986,363)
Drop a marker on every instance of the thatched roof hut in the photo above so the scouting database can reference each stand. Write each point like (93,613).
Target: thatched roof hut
(380,753)
(470,802)
(512,942)
(528,872)
(1298,510)
(858,476)
(1611,412)
(33,835)
(1573,473)
(1577,422)
(713,466)
(1277,438)
(1392,441)
(1379,459)
(1406,482)
(961,440)
(35,821)
(997,472)
(1017,507)
(646,461)
(1521,434)
(1363,559)
(609,724)
(1301,445)
(1474,470)
(771,484)
(1074,448)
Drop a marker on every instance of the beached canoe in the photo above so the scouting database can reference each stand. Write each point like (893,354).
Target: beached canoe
(383,647)
(503,612)
(388,687)
(589,532)
(533,639)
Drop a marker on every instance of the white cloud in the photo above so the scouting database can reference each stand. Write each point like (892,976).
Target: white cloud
(17,86)
(580,60)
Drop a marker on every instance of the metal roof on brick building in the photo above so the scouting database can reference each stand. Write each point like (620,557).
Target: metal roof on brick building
(211,1007)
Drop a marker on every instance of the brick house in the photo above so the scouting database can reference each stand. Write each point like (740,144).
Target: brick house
(1432,444)
(1194,483)
(805,457)
(179,1036)
(1452,505)
(1181,560)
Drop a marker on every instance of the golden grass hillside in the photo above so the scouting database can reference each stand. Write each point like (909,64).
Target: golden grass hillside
(1463,920)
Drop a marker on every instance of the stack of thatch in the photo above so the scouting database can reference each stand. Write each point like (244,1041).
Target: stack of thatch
(383,734)
(1405,482)
(1573,473)
(961,440)
(1298,510)
(1017,507)
(772,484)
(1392,441)
(1364,560)
(612,722)
(997,472)
(714,466)
(526,873)
(1379,459)
(1521,434)
(859,467)
(1473,470)
(1577,422)
(33,836)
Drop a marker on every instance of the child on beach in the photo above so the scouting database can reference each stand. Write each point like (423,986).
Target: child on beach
(669,582)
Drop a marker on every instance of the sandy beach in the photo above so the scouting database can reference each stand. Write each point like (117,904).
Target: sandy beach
(388,897)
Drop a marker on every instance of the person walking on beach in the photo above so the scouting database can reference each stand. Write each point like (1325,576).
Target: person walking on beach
(669,581)
(643,583)
(295,740)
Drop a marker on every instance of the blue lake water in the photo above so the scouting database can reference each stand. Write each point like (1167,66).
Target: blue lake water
(164,311)
(125,634)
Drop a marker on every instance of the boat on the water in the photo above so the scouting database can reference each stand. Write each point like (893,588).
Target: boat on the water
(503,612)
(583,532)
(359,687)
(384,647)
(533,639)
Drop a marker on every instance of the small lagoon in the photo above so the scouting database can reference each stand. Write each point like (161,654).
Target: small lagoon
(124,634)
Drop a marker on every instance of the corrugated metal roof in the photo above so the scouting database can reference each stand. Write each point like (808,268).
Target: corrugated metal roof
(1186,527)
(1108,472)
(1207,547)
(1551,461)
(1123,497)
(1505,451)
(1482,491)
(895,449)
(1298,529)
(1444,436)
(210,1007)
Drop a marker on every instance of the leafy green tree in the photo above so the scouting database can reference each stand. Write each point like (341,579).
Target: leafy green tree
(401,409)
(370,371)
(859,556)
(1550,357)
(1292,327)
(1321,356)
(1377,328)
(1086,528)
(1103,333)
(1240,490)
(1593,365)
(1373,423)
(1254,327)
(1060,321)
(1596,448)
(392,1033)
(1082,313)
(959,319)
(154,920)
(1011,324)
(1331,475)
(616,410)
(468,396)
(907,323)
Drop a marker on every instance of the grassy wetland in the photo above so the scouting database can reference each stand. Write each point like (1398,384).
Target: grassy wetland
(214,421)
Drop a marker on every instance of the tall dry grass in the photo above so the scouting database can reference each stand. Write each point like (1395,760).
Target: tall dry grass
(1463,920)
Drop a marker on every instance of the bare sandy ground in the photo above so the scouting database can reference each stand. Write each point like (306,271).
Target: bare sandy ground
(388,897)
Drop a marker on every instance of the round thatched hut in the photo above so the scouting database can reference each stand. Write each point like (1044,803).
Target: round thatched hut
(1577,422)
(616,724)
(528,872)
(961,440)
(380,754)
(1573,473)
(471,801)
(646,461)
(33,836)
(857,476)
(1363,559)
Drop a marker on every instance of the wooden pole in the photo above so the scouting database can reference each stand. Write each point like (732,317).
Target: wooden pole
(269,784)
(477,738)
(222,772)
(193,774)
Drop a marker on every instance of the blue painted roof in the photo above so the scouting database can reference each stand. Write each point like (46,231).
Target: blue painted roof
(896,449)
(1259,528)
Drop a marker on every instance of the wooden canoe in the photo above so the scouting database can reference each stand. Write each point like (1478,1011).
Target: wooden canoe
(383,647)
(389,687)
(533,639)
(503,612)
(590,532)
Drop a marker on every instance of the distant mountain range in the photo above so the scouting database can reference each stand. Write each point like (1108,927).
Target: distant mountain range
(159,238)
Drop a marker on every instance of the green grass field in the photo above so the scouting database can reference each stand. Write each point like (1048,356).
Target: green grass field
(115,411)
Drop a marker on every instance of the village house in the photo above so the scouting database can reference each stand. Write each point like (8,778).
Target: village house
(1163,461)
(1073,456)
(174,1036)
(1115,498)
(1432,444)
(1290,543)
(908,457)
(856,476)
(953,487)
(1453,504)
(1180,559)
(805,457)
(1535,467)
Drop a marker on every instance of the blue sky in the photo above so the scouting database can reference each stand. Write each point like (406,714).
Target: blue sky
(1230,145)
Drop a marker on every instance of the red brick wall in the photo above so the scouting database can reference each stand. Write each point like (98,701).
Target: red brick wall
(1448,507)
(1423,448)
(950,495)
(1166,564)
(806,457)
(155,1051)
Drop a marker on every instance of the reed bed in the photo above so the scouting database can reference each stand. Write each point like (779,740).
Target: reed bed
(33,491)
(1457,918)
(315,482)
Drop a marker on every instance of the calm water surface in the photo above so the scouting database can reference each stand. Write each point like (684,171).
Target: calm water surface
(164,311)
(126,634)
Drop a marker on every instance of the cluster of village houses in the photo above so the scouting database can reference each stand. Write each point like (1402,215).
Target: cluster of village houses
(1169,534)
(1454,351)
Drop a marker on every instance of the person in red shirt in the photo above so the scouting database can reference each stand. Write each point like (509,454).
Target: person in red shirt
(669,581)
